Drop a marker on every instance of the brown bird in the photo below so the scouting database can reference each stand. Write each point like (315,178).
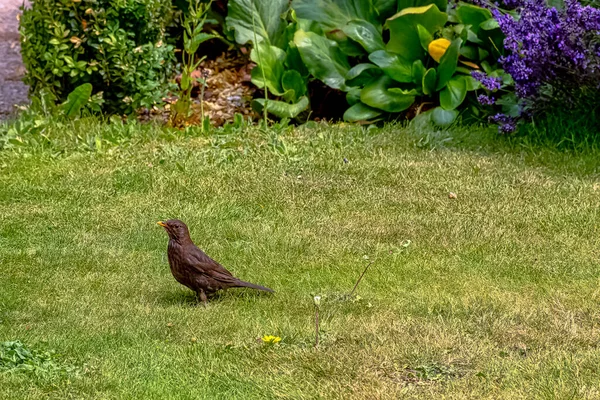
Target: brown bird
(193,268)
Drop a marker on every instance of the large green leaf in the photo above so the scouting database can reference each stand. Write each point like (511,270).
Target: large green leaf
(469,14)
(293,85)
(404,36)
(453,94)
(77,99)
(442,117)
(395,67)
(335,14)
(366,34)
(377,95)
(294,61)
(441,4)
(448,64)
(269,61)
(260,17)
(361,112)
(323,58)
(362,74)
(282,109)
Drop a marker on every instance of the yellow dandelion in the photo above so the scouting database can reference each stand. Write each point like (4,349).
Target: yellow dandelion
(270,339)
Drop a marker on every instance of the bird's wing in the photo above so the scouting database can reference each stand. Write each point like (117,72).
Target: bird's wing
(207,266)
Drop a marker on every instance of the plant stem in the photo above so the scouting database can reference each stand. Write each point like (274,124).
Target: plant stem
(361,276)
(316,326)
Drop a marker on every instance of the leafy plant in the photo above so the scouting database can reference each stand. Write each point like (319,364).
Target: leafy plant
(553,54)
(16,357)
(76,100)
(44,113)
(117,47)
(271,26)
(193,23)
(427,60)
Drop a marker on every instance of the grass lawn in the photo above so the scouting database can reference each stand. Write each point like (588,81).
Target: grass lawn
(492,295)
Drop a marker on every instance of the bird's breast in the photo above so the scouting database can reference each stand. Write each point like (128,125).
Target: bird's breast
(177,263)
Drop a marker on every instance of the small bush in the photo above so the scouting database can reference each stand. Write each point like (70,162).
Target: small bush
(117,46)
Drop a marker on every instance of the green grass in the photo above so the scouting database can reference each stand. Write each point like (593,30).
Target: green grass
(493,295)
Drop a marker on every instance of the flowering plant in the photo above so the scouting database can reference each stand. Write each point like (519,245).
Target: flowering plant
(552,54)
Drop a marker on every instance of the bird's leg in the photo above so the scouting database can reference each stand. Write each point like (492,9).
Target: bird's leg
(202,296)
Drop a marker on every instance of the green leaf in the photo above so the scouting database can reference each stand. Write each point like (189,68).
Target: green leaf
(404,34)
(483,53)
(294,61)
(385,8)
(510,105)
(470,52)
(377,95)
(366,34)
(353,95)
(361,112)
(77,99)
(395,67)
(348,46)
(405,92)
(442,117)
(293,85)
(269,59)
(448,64)
(418,71)
(453,94)
(191,46)
(282,109)
(185,81)
(402,4)
(429,80)
(264,17)
(472,83)
(489,24)
(335,14)
(362,74)
(424,37)
(323,59)
(470,14)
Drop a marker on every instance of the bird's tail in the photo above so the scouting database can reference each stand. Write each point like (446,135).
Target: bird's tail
(253,286)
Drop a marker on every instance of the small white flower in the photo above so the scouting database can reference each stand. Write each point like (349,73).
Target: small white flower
(317,300)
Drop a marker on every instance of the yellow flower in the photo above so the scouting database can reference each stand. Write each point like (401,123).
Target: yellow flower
(437,48)
(271,339)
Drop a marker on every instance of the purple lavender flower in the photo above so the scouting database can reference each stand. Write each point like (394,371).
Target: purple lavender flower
(489,82)
(486,100)
(505,123)
(546,46)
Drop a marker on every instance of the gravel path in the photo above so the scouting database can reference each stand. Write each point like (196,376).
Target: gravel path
(12,90)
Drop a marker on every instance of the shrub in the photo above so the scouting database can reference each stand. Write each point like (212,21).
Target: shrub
(553,56)
(388,56)
(115,45)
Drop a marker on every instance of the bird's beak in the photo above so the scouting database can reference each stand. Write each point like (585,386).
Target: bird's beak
(161,224)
